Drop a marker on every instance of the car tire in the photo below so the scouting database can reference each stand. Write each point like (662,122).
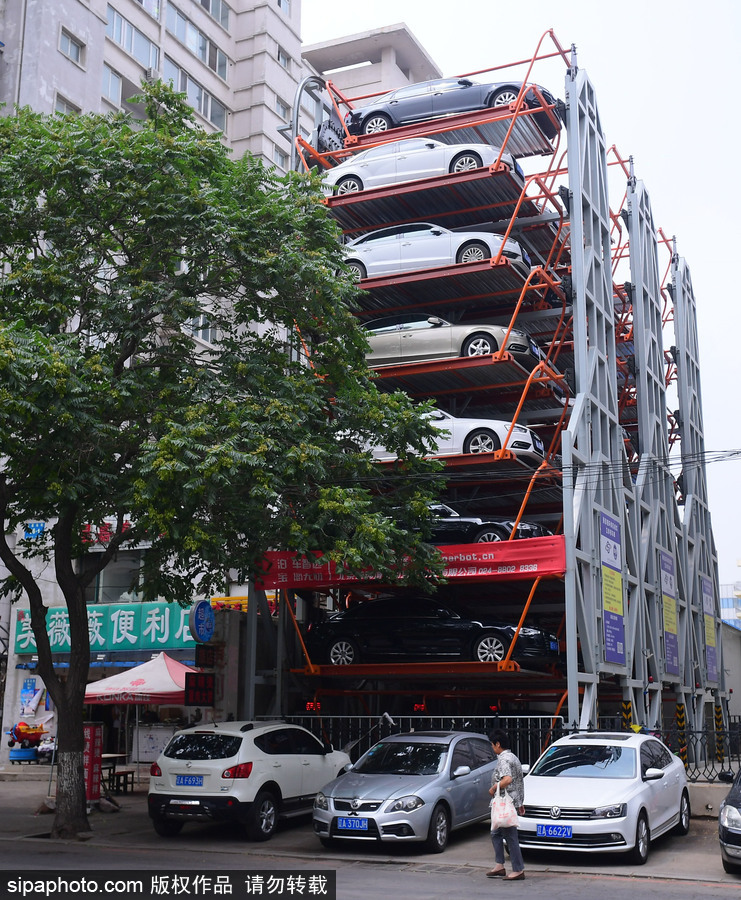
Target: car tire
(639,853)
(685,814)
(503,97)
(473,251)
(376,123)
(167,827)
(489,647)
(357,269)
(263,816)
(489,535)
(439,830)
(481,440)
(350,184)
(343,652)
(465,162)
(479,344)
(730,868)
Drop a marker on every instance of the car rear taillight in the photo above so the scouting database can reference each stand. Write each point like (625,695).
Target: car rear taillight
(243,770)
(154,769)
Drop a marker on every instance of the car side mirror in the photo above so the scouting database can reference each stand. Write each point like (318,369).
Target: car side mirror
(434,321)
(328,748)
(459,771)
(726,776)
(465,82)
(525,768)
(347,767)
(653,774)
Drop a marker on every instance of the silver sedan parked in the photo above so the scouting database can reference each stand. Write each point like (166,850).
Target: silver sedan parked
(419,336)
(422,245)
(409,787)
(410,160)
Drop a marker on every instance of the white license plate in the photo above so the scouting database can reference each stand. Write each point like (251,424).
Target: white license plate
(189,780)
(352,823)
(554,831)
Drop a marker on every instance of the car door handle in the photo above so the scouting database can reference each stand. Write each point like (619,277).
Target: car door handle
(307,763)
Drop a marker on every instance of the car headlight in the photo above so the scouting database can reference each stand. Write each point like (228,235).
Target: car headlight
(730,817)
(405,804)
(320,801)
(614,811)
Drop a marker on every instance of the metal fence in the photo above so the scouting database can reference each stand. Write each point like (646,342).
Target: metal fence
(705,753)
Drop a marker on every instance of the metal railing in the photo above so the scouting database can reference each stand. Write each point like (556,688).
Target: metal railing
(705,753)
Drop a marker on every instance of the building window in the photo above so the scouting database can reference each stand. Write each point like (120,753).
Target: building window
(200,327)
(111,85)
(153,7)
(285,5)
(283,58)
(219,10)
(65,107)
(280,158)
(132,40)
(72,48)
(282,108)
(197,42)
(199,98)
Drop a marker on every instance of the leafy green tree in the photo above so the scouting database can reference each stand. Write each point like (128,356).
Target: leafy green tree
(115,237)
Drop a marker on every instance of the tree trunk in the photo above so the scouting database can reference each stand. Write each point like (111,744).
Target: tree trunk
(71,811)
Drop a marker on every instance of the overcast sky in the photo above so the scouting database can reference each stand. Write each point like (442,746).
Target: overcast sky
(666,75)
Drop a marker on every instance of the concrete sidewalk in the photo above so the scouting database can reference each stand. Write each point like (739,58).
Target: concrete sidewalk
(695,857)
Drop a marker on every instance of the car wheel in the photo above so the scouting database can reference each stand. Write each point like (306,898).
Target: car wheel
(685,814)
(481,440)
(730,868)
(479,344)
(489,648)
(439,830)
(350,184)
(464,162)
(167,827)
(376,123)
(343,652)
(357,269)
(473,251)
(504,97)
(639,853)
(488,535)
(263,817)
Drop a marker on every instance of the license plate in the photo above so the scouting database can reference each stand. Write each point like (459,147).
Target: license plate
(352,823)
(554,831)
(554,645)
(189,780)
(538,444)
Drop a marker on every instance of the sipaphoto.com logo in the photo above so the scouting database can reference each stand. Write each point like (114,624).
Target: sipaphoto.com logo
(63,888)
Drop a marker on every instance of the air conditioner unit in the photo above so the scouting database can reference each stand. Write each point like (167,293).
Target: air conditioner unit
(151,75)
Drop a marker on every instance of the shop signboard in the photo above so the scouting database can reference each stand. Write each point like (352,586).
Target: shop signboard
(112,627)
(92,759)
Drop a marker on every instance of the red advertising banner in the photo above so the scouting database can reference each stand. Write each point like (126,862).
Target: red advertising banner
(92,757)
(502,561)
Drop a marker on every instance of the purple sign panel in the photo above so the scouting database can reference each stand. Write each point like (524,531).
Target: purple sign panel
(711,647)
(613,612)
(669,606)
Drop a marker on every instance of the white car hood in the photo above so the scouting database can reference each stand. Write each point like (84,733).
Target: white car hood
(577,792)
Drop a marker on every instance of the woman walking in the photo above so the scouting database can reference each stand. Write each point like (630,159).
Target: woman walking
(507,776)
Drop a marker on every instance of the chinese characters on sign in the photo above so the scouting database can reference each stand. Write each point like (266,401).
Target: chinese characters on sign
(200,689)
(669,606)
(711,649)
(112,626)
(612,589)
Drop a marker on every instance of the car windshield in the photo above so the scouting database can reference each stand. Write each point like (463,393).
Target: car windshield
(203,746)
(397,758)
(586,761)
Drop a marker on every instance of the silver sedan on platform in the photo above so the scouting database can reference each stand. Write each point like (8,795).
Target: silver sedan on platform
(410,160)
(422,245)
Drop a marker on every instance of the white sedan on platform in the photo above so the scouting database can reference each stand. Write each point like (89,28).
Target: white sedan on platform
(409,160)
(459,435)
(600,792)
(422,245)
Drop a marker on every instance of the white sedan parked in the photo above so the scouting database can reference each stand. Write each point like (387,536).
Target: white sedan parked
(422,245)
(600,792)
(409,160)
(459,435)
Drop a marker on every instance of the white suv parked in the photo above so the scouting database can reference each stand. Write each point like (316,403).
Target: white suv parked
(251,773)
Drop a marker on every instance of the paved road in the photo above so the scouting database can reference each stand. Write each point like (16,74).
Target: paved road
(678,868)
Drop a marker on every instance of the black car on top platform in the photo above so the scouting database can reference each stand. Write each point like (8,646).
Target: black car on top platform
(422,629)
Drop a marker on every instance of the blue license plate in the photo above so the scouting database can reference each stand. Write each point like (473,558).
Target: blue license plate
(554,831)
(554,645)
(352,823)
(189,780)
